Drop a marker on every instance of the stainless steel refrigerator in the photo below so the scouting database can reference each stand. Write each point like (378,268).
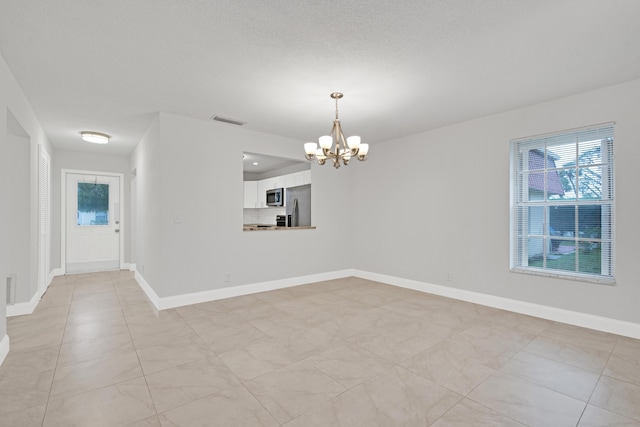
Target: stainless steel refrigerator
(298,201)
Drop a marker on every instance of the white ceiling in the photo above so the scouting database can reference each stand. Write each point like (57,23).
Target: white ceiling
(405,66)
(258,163)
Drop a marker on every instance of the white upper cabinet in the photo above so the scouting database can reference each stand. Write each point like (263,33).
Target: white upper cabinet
(306,177)
(289,180)
(251,194)
(262,193)
(271,183)
(296,179)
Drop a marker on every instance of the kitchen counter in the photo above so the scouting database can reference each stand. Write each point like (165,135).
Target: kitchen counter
(256,227)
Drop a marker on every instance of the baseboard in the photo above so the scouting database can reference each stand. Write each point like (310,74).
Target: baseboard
(4,348)
(23,308)
(55,272)
(130,267)
(148,290)
(163,303)
(599,323)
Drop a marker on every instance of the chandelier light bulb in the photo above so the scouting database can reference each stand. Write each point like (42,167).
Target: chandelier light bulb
(353,141)
(325,141)
(310,147)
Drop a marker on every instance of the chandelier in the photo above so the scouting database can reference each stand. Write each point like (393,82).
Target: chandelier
(344,149)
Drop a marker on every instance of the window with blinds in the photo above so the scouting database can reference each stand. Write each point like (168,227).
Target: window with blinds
(562,204)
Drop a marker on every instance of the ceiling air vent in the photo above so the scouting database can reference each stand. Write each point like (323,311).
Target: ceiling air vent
(228,120)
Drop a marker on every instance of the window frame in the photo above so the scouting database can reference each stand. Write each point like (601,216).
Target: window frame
(521,204)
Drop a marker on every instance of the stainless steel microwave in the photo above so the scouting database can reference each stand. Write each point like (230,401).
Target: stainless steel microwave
(275,197)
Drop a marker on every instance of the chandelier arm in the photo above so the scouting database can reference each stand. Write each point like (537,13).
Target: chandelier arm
(329,154)
(341,143)
(334,135)
(333,129)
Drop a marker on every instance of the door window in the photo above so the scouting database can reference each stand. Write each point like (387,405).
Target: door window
(93,204)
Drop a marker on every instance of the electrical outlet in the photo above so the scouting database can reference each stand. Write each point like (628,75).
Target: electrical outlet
(449,277)
(227,277)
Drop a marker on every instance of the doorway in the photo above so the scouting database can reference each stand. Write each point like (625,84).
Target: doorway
(92,229)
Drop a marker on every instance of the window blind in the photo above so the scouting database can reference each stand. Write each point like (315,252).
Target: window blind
(563,204)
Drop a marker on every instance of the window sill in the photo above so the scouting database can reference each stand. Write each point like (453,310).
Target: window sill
(274,227)
(565,276)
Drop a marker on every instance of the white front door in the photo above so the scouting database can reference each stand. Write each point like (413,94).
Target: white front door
(92,223)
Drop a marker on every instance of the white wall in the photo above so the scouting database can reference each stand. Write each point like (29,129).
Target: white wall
(443,207)
(18,215)
(200,175)
(12,100)
(146,186)
(4,220)
(90,162)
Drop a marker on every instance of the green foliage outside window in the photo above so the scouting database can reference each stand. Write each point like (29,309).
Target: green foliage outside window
(93,199)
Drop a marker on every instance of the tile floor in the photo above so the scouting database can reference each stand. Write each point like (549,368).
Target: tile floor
(346,352)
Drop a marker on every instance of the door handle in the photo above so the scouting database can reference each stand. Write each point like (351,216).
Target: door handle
(117,230)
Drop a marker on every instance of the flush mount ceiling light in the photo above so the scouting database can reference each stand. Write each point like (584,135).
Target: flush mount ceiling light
(95,137)
(344,148)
